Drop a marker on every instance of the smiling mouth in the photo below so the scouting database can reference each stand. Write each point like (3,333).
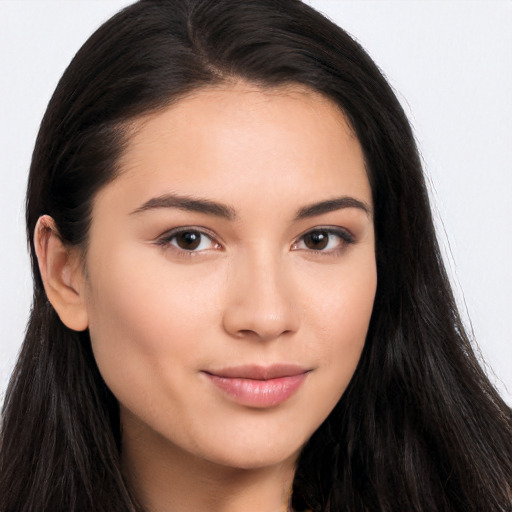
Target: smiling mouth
(258,386)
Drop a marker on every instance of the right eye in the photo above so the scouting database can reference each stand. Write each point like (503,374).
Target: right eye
(189,240)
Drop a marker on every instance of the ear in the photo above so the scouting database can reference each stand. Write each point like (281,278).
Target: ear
(62,274)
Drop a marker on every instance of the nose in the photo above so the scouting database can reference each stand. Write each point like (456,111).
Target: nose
(261,303)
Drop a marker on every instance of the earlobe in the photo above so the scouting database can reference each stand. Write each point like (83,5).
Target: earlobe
(62,275)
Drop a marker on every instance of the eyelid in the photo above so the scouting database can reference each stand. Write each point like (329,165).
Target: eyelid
(165,238)
(344,234)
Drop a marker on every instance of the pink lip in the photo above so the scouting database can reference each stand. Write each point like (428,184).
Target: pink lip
(259,386)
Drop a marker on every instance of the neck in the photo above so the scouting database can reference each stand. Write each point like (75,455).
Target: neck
(166,478)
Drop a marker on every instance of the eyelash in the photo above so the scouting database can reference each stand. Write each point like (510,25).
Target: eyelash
(167,239)
(345,238)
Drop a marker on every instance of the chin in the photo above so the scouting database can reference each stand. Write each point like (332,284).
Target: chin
(256,460)
(248,453)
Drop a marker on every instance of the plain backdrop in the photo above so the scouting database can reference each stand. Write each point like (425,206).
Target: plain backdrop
(450,63)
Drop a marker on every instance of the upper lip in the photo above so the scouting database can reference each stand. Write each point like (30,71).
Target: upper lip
(258,372)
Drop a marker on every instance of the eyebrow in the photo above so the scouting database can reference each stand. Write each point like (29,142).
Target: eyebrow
(191,204)
(209,207)
(331,205)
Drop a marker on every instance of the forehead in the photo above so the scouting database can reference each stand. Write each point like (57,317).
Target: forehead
(239,140)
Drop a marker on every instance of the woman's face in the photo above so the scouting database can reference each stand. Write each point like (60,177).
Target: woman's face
(230,274)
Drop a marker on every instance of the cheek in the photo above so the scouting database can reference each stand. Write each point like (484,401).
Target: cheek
(146,320)
(339,318)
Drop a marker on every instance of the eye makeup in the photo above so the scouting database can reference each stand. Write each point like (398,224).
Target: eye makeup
(192,240)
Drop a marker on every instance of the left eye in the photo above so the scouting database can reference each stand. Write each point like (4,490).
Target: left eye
(323,240)
(190,240)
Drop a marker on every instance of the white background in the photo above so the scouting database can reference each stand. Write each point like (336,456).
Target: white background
(451,65)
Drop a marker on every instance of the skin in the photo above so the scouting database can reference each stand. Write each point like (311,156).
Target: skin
(253,291)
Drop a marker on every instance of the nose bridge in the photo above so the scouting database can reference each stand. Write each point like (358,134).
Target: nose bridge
(261,302)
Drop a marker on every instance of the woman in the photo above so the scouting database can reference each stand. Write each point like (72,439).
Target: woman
(239,299)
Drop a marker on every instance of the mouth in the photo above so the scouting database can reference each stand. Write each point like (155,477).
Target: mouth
(258,386)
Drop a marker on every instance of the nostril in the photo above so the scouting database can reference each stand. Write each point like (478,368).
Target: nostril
(262,334)
(246,333)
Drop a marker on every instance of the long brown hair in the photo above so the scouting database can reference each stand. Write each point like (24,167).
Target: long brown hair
(420,428)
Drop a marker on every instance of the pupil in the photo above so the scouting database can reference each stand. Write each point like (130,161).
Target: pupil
(189,240)
(317,240)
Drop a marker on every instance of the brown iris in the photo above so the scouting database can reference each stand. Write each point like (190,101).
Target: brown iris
(188,240)
(316,240)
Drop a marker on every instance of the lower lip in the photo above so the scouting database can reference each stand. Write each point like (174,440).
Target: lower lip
(258,393)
